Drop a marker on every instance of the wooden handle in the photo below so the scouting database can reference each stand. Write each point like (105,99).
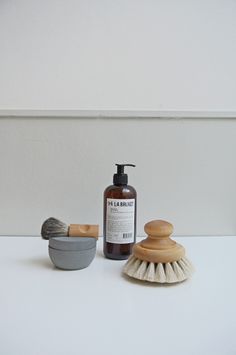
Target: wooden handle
(83,230)
(158,247)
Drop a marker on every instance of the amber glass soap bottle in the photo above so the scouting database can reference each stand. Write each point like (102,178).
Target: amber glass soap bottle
(119,228)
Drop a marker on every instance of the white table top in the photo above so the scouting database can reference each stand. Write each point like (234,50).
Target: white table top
(45,311)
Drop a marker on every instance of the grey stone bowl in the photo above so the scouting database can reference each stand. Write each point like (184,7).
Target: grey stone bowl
(72,253)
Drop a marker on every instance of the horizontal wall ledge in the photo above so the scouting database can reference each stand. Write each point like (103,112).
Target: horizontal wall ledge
(116,113)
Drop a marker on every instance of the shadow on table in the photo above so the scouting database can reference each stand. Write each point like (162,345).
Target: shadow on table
(37,262)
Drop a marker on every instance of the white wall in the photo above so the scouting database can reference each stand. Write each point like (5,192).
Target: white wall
(118,58)
(118,55)
(185,171)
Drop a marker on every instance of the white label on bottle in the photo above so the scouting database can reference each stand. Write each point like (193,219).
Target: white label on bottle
(120,221)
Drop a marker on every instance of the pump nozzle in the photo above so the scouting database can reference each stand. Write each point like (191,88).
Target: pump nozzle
(120,178)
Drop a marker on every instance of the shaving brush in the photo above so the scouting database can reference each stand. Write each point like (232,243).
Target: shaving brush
(53,227)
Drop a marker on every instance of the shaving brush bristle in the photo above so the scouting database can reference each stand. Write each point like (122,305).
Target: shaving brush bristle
(53,227)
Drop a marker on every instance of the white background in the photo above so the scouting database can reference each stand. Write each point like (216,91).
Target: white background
(118,55)
(60,167)
(160,58)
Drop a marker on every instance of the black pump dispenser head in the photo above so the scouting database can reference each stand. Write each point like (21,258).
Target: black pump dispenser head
(120,178)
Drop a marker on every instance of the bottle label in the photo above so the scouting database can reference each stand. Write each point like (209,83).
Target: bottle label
(120,221)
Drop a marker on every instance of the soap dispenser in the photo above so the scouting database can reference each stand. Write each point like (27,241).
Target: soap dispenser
(119,228)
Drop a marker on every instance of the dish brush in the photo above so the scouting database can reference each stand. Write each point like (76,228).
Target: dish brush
(53,227)
(158,258)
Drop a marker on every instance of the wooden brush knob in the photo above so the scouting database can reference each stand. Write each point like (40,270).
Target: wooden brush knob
(158,228)
(158,247)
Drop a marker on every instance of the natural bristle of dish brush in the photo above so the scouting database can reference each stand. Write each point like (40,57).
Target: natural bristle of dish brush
(53,227)
(176,271)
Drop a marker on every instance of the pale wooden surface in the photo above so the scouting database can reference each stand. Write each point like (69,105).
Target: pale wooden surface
(98,311)
(83,230)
